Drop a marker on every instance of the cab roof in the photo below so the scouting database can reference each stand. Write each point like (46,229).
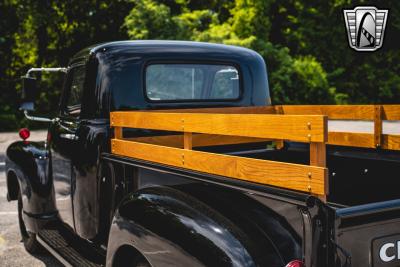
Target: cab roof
(146,47)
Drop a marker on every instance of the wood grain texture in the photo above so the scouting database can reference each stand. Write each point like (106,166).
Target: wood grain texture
(318,158)
(335,112)
(279,143)
(391,142)
(280,174)
(378,125)
(224,110)
(118,133)
(187,141)
(198,140)
(302,128)
(318,154)
(391,112)
(351,139)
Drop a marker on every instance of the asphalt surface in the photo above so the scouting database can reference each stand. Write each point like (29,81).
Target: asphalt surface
(12,252)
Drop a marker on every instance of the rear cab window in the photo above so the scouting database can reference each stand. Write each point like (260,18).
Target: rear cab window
(192,82)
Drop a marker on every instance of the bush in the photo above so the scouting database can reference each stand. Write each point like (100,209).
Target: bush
(8,122)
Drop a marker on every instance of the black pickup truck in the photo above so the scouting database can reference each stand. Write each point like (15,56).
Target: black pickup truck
(91,207)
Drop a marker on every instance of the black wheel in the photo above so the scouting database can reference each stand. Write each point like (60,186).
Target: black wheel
(140,262)
(30,243)
(127,256)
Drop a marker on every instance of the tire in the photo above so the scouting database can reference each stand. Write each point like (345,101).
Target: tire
(127,257)
(140,262)
(30,243)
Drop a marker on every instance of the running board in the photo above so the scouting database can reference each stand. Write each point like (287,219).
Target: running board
(69,249)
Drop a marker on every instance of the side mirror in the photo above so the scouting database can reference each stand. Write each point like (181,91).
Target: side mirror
(29,93)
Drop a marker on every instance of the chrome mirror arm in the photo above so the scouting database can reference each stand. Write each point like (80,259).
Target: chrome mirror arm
(34,118)
(46,70)
(29,105)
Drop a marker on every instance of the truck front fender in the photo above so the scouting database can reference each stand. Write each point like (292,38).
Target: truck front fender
(28,162)
(173,228)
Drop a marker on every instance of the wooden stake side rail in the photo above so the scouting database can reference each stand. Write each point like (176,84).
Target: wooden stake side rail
(230,128)
(375,113)
(198,140)
(235,125)
(299,177)
(309,128)
(334,112)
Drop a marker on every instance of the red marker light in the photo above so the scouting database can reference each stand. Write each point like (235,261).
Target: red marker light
(24,133)
(295,263)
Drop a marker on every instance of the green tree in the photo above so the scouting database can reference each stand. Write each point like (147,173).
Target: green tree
(304,43)
(49,33)
(317,28)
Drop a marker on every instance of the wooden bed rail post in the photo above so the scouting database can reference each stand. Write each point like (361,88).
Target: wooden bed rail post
(318,156)
(187,140)
(279,110)
(378,125)
(118,132)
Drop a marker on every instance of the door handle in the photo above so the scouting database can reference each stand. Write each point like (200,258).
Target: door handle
(69,136)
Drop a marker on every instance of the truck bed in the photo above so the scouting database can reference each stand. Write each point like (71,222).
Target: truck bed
(319,150)
(356,176)
(294,152)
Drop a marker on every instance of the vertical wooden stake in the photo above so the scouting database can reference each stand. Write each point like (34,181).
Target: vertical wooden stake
(378,125)
(318,154)
(118,133)
(187,141)
(318,158)
(279,143)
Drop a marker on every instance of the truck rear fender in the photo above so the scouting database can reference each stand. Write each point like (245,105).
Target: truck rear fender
(174,224)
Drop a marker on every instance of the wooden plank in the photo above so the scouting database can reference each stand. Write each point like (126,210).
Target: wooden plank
(280,174)
(311,128)
(351,139)
(336,112)
(391,112)
(318,154)
(391,142)
(187,141)
(224,110)
(279,143)
(318,158)
(378,125)
(198,140)
(118,132)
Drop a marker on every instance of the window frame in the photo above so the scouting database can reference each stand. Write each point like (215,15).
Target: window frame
(193,62)
(67,91)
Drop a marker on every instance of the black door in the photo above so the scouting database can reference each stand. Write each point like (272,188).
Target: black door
(65,143)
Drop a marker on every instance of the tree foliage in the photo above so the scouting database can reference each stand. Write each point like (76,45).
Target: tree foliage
(304,43)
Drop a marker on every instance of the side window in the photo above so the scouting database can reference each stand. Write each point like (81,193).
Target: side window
(74,90)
